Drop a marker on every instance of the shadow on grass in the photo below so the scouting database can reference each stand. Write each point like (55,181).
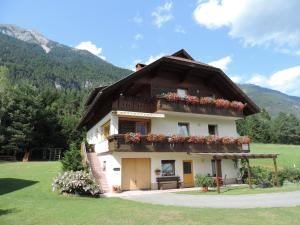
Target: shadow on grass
(8,185)
(7,211)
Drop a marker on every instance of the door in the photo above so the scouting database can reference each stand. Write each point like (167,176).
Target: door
(188,177)
(136,173)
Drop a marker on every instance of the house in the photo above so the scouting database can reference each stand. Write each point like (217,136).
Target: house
(168,121)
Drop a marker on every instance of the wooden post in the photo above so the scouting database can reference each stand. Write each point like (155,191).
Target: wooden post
(275,172)
(249,174)
(218,164)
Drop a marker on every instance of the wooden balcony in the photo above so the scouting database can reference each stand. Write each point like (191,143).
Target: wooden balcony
(151,106)
(116,143)
(134,105)
(164,105)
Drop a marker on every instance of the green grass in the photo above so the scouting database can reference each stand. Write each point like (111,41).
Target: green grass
(289,155)
(26,198)
(244,190)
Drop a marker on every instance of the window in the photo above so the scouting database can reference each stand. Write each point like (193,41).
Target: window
(141,127)
(126,126)
(105,130)
(183,129)
(181,92)
(213,168)
(212,129)
(168,167)
(104,166)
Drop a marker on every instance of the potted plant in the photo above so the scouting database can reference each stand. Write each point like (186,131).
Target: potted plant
(204,182)
(116,188)
(157,172)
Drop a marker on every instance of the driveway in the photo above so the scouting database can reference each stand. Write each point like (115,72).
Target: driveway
(283,199)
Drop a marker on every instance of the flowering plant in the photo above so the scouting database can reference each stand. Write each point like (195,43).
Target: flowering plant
(243,140)
(171,96)
(212,139)
(207,101)
(193,100)
(237,105)
(133,138)
(222,103)
(228,140)
(156,138)
(177,139)
(197,139)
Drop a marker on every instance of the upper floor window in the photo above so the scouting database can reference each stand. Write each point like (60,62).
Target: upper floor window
(183,129)
(126,126)
(212,129)
(105,130)
(181,92)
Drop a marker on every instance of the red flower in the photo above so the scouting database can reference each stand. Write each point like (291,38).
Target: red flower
(172,97)
(207,101)
(177,139)
(228,140)
(132,138)
(156,138)
(222,103)
(193,100)
(237,105)
(197,139)
(212,139)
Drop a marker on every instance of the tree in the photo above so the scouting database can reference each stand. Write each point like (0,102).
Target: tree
(72,159)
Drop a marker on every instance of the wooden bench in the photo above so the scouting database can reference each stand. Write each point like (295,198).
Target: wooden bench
(168,180)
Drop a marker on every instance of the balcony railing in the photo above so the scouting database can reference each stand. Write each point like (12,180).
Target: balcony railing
(151,106)
(117,143)
(163,104)
(134,104)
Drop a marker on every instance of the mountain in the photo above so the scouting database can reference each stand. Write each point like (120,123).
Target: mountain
(273,101)
(31,56)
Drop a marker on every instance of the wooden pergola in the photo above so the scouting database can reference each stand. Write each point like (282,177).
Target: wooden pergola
(234,156)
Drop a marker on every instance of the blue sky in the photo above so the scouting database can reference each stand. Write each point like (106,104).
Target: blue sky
(260,46)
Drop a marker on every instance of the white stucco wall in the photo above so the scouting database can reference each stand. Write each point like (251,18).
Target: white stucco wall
(201,165)
(198,125)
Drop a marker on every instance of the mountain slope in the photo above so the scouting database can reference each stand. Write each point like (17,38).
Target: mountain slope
(273,101)
(31,56)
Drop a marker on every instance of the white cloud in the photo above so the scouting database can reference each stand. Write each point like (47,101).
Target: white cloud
(256,22)
(92,48)
(138,37)
(162,14)
(286,80)
(236,79)
(179,29)
(221,63)
(138,19)
(152,58)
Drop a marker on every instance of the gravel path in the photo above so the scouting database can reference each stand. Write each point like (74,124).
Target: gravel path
(283,199)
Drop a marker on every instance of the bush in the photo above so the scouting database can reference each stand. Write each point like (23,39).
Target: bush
(72,159)
(260,176)
(289,174)
(78,182)
(204,181)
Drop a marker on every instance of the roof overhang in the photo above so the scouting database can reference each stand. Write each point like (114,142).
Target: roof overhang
(138,114)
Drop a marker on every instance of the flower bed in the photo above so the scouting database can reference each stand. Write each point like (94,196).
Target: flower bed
(194,100)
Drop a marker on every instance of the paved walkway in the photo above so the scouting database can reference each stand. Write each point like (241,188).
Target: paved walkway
(283,199)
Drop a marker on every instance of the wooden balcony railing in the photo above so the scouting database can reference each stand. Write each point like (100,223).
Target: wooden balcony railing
(134,104)
(151,106)
(163,104)
(117,143)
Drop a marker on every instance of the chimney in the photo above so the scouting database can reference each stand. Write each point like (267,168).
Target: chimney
(139,66)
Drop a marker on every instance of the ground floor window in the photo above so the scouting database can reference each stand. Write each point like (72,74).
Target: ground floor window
(168,167)
(213,168)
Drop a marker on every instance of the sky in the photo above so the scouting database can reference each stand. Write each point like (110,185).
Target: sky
(253,41)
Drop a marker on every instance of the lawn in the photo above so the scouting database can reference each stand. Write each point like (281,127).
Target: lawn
(289,155)
(26,198)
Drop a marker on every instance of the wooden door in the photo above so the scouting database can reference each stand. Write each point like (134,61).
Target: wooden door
(188,177)
(136,173)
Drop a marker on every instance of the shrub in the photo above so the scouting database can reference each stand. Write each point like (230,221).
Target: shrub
(289,174)
(76,182)
(260,176)
(72,159)
(204,181)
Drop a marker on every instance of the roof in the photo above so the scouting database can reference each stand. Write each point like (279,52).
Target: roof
(238,155)
(181,58)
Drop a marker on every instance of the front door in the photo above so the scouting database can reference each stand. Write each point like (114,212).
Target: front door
(136,173)
(188,177)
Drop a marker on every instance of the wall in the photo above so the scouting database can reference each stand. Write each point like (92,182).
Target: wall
(198,124)
(201,165)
